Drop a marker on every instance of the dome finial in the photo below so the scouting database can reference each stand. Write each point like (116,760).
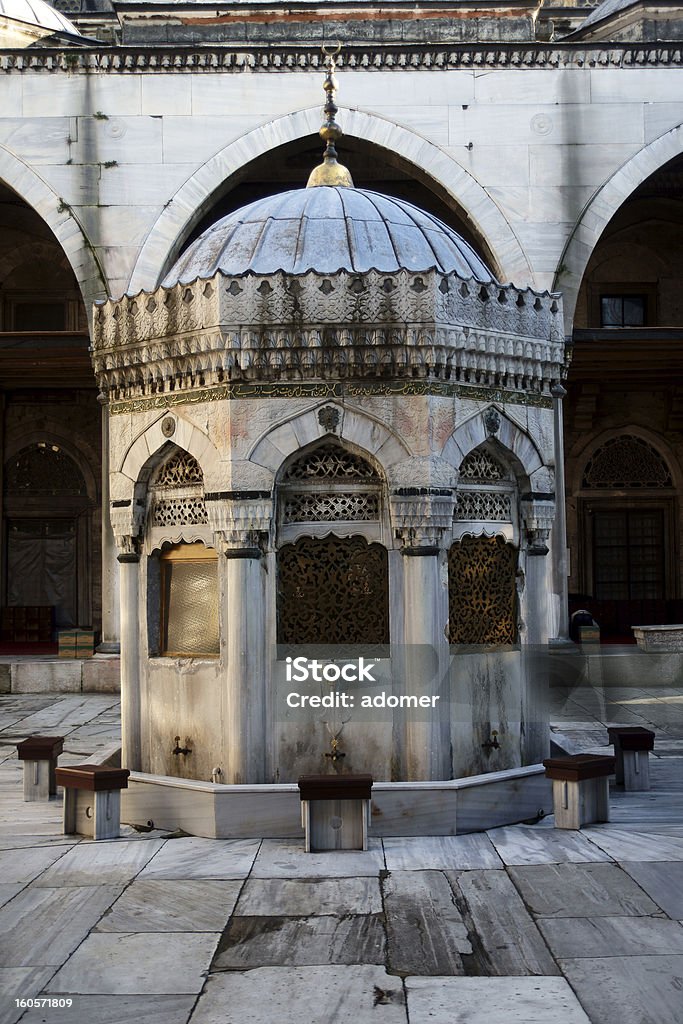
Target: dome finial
(329,172)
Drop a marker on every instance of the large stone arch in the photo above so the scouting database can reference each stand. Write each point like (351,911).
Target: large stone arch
(602,207)
(61,220)
(195,196)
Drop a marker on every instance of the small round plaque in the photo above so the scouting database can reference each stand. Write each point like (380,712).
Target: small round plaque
(336,823)
(168,426)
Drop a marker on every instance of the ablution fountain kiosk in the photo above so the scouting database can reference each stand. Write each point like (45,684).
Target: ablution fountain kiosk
(330,424)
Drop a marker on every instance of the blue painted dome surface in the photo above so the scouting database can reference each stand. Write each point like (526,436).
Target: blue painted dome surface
(327,229)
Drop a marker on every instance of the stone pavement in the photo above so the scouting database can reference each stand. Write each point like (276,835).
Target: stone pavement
(520,925)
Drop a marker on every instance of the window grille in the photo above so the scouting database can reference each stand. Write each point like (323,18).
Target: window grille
(177,493)
(626,462)
(482,596)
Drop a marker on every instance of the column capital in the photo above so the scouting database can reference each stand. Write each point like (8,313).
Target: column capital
(422,517)
(240,521)
(538,513)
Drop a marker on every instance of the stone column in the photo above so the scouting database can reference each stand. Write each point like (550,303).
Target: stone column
(131,725)
(241,521)
(110,640)
(422,518)
(426,661)
(559,540)
(245,697)
(538,512)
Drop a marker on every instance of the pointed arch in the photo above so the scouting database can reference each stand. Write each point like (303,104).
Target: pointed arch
(602,207)
(362,433)
(147,450)
(508,439)
(194,197)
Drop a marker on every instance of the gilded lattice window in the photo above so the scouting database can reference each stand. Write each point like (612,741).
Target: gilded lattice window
(482,596)
(178,492)
(626,462)
(333,590)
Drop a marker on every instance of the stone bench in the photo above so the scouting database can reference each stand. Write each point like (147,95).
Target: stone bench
(335,811)
(39,754)
(92,799)
(632,746)
(580,788)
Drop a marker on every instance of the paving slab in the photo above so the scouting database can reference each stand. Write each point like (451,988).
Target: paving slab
(646,989)
(298,941)
(527,845)
(286,858)
(314,995)
(8,892)
(20,983)
(203,858)
(425,930)
(159,1009)
(284,897)
(117,963)
(100,863)
(22,842)
(172,905)
(441,853)
(506,933)
(29,864)
(610,936)
(493,1001)
(580,890)
(624,845)
(43,926)
(662,881)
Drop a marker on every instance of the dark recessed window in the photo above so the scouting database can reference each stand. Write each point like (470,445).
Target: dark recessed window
(623,310)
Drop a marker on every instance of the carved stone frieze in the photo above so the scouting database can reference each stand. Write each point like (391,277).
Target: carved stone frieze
(302,58)
(234,329)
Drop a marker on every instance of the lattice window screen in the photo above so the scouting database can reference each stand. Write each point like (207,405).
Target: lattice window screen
(315,507)
(177,493)
(487,506)
(626,462)
(333,590)
(330,462)
(481,467)
(180,470)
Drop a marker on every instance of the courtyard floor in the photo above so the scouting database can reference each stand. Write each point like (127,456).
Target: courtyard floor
(519,925)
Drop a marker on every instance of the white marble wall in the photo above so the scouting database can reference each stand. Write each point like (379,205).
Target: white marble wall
(118,163)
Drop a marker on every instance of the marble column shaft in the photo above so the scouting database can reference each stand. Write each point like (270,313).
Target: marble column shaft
(110,639)
(245,689)
(131,726)
(426,661)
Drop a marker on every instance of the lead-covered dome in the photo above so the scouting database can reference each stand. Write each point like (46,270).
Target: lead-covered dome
(38,13)
(327,229)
